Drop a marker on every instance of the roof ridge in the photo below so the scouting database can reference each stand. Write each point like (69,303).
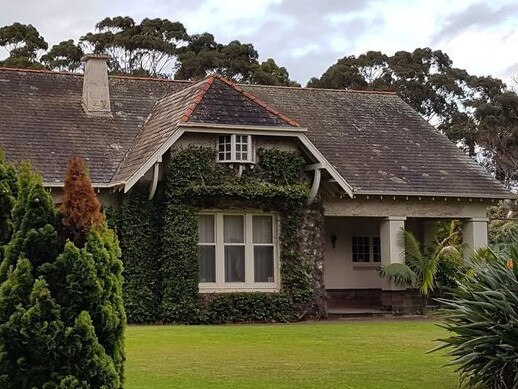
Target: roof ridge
(305,88)
(259,102)
(46,71)
(65,73)
(150,79)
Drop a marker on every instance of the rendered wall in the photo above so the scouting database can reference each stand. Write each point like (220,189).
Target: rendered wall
(340,271)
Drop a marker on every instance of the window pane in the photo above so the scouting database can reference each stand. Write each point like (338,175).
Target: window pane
(360,248)
(206,228)
(262,226)
(233,229)
(207,256)
(234,264)
(263,264)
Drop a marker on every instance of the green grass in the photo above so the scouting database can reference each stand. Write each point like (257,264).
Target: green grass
(372,354)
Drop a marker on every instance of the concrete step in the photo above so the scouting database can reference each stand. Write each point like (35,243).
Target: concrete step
(346,313)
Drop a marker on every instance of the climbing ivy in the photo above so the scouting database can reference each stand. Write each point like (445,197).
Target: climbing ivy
(139,229)
(194,181)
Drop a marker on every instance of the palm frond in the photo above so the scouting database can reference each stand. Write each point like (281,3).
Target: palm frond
(413,254)
(400,274)
(428,273)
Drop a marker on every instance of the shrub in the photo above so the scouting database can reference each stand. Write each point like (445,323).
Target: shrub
(61,315)
(483,317)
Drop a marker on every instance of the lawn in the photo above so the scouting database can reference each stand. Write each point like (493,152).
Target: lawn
(367,354)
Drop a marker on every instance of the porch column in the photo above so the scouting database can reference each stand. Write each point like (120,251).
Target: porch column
(392,245)
(474,234)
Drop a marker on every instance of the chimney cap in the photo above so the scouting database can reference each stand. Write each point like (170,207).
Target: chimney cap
(86,57)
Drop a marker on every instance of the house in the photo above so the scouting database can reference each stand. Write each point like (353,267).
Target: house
(371,167)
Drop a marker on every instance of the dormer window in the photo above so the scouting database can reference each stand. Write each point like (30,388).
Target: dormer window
(235,148)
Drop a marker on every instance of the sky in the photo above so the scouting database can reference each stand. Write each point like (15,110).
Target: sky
(308,36)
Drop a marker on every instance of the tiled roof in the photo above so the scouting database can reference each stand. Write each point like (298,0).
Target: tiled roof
(374,140)
(42,120)
(159,126)
(379,144)
(212,100)
(226,103)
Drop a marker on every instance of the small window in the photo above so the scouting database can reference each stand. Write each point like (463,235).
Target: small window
(235,148)
(366,249)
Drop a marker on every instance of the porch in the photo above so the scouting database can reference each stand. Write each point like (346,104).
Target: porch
(355,249)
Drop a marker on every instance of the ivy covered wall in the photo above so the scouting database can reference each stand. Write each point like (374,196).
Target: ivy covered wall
(159,240)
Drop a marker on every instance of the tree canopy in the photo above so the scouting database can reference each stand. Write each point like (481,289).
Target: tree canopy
(152,48)
(23,43)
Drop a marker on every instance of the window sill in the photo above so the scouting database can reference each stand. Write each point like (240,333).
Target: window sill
(237,162)
(366,265)
(207,288)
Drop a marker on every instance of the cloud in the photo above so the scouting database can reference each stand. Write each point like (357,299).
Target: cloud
(307,37)
(476,16)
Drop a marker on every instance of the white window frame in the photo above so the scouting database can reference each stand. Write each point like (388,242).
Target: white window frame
(371,250)
(249,285)
(233,149)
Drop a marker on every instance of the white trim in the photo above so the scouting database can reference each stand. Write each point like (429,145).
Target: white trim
(238,127)
(249,285)
(94,184)
(233,129)
(434,194)
(156,157)
(315,166)
(155,181)
(332,171)
(396,218)
(479,220)
(314,187)
(233,149)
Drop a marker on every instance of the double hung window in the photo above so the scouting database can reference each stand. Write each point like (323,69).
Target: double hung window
(237,251)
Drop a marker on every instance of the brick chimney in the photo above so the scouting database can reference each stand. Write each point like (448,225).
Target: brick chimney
(96,93)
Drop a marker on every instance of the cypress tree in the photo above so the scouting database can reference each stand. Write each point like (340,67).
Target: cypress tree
(80,209)
(62,319)
(89,272)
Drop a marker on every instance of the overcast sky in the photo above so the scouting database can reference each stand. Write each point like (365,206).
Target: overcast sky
(308,36)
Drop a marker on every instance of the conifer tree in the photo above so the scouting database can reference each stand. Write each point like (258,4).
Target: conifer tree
(80,209)
(62,319)
(88,275)
(34,235)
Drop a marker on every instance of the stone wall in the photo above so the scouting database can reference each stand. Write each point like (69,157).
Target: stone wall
(312,245)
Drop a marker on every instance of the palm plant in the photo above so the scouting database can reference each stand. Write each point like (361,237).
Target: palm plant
(434,266)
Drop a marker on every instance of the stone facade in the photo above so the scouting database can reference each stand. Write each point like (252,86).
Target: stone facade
(312,245)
